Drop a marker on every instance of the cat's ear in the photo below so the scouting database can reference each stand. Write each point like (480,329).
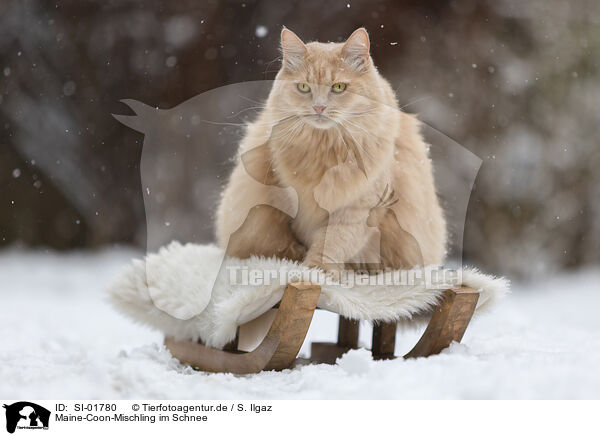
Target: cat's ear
(294,50)
(356,50)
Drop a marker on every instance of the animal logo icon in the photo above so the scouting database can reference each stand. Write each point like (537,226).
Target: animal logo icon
(26,415)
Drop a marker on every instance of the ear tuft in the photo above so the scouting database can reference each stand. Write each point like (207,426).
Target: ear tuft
(356,50)
(294,50)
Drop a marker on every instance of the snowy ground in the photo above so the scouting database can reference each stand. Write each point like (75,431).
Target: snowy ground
(59,339)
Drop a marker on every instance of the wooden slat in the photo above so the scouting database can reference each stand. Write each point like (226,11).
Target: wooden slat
(277,350)
(348,332)
(326,352)
(213,360)
(384,340)
(291,324)
(448,323)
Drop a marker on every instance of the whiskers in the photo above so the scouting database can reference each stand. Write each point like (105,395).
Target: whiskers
(278,59)
(415,101)
(343,113)
(351,124)
(256,123)
(284,125)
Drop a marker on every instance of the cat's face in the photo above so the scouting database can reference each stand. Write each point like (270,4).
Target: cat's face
(325,84)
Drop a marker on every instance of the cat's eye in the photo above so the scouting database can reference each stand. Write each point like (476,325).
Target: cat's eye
(338,88)
(303,87)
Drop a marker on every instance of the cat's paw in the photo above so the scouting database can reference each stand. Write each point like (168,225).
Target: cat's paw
(313,263)
(294,251)
(336,275)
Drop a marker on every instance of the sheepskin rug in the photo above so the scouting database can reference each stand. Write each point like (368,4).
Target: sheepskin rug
(195,292)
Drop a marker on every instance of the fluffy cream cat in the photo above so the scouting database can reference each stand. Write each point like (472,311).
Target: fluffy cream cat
(332,173)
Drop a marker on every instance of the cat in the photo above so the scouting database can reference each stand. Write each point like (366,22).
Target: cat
(332,131)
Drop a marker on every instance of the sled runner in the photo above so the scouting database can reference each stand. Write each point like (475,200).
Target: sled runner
(280,347)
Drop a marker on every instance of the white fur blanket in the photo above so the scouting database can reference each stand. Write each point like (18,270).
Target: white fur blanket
(194,292)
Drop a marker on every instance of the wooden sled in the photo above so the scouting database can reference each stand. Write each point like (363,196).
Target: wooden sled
(280,347)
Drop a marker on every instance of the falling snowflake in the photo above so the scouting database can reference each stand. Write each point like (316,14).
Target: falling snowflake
(69,88)
(171,61)
(261,31)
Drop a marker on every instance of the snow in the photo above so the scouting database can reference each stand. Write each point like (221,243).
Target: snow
(60,339)
(180,30)
(261,31)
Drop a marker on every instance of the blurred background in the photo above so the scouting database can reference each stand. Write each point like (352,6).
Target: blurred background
(516,83)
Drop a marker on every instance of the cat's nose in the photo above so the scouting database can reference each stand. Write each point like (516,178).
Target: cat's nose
(319,108)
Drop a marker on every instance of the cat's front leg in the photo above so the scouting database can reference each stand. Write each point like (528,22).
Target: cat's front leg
(338,242)
(265,232)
